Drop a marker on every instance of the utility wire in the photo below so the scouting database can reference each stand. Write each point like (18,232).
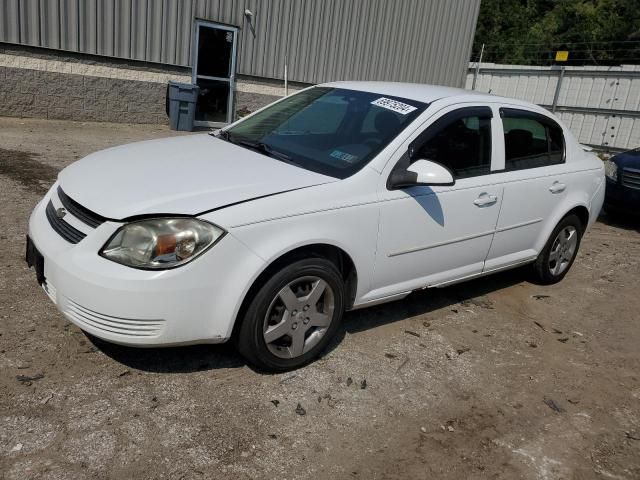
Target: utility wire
(563,43)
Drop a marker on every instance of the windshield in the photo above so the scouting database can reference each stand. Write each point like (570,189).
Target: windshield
(332,131)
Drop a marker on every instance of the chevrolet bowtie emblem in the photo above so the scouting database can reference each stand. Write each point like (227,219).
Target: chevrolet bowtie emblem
(61,212)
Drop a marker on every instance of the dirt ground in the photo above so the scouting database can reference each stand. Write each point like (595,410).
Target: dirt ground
(497,378)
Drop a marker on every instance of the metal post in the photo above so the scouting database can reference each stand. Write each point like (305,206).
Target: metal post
(477,70)
(557,93)
(286,81)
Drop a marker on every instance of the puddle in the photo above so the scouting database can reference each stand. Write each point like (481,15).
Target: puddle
(25,169)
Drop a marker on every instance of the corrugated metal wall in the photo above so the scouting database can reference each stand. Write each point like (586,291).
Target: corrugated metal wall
(402,40)
(601,105)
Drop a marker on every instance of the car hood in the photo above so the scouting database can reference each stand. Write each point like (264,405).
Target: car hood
(630,159)
(180,175)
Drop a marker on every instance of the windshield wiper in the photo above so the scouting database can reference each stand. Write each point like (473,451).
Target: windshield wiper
(260,147)
(265,149)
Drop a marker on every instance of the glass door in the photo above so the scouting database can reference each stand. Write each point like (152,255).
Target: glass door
(214,67)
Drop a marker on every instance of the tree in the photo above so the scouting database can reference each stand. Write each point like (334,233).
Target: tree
(601,32)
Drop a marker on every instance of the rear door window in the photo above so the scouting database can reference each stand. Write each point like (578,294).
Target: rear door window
(531,140)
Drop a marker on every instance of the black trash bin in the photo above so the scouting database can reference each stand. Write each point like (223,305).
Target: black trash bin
(181,105)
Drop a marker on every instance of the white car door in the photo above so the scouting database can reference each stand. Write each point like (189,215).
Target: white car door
(535,183)
(433,235)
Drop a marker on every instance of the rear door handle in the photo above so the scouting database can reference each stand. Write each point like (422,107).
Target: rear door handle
(557,187)
(485,200)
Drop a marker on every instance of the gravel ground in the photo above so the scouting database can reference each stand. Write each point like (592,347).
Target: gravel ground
(497,378)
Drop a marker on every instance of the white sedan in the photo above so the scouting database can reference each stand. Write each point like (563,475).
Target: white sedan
(342,196)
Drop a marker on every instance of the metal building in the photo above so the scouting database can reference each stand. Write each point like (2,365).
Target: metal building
(240,52)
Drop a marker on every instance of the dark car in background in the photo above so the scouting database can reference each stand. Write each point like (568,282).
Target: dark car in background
(623,184)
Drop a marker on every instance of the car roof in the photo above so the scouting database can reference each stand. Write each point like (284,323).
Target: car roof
(426,93)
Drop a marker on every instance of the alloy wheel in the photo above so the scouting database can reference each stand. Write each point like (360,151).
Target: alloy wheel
(562,250)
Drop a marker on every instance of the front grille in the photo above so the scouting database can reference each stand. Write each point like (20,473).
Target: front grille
(81,213)
(131,327)
(66,231)
(631,178)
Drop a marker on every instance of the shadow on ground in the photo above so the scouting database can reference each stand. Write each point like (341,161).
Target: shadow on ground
(619,220)
(211,357)
(428,300)
(195,358)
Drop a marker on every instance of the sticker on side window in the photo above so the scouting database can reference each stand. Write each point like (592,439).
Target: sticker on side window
(393,105)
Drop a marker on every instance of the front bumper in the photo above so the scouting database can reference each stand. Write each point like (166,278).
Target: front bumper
(621,198)
(195,303)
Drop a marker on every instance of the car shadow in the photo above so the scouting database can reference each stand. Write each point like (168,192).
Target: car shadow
(198,358)
(429,202)
(186,359)
(626,222)
(425,301)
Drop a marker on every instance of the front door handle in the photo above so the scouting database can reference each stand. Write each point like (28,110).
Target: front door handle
(485,200)
(557,187)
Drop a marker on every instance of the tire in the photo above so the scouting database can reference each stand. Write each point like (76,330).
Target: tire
(559,253)
(281,317)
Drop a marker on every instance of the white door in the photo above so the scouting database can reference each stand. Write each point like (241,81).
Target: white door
(214,66)
(535,183)
(432,235)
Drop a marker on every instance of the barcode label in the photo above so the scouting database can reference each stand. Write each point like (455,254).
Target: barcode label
(393,105)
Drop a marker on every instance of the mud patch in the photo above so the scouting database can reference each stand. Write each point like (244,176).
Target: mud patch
(25,169)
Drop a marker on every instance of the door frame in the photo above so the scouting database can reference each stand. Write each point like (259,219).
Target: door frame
(232,77)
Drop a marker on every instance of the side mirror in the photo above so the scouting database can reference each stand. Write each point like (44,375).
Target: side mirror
(422,172)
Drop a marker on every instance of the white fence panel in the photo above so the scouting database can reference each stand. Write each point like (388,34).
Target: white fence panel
(601,105)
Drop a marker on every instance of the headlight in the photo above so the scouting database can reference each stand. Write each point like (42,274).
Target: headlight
(161,243)
(611,170)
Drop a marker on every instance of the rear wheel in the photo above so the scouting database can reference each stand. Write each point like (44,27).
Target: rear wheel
(293,315)
(561,249)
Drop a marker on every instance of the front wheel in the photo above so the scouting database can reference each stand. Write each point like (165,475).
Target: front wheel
(293,315)
(561,249)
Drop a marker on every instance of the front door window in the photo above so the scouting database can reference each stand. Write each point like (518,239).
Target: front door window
(460,142)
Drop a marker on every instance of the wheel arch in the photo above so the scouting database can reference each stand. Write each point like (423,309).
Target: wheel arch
(579,208)
(333,253)
(580,211)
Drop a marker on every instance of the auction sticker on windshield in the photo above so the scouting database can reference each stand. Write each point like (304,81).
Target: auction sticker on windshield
(347,157)
(393,105)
